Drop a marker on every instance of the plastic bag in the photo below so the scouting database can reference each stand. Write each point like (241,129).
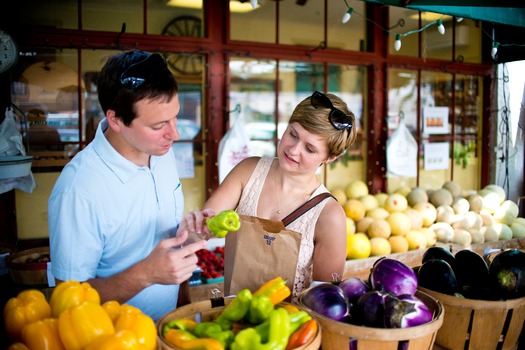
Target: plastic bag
(401,153)
(233,147)
(11,144)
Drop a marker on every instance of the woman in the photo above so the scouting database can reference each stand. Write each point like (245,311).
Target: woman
(320,129)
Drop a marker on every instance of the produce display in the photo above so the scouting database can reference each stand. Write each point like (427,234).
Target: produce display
(250,321)
(466,274)
(417,218)
(386,300)
(211,263)
(75,319)
(224,222)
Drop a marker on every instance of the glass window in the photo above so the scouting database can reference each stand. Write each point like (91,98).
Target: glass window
(46,92)
(350,35)
(114,16)
(53,14)
(175,17)
(257,25)
(468,41)
(302,23)
(252,97)
(403,21)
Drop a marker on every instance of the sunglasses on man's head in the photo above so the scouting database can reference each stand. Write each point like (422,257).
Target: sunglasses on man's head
(337,117)
(136,74)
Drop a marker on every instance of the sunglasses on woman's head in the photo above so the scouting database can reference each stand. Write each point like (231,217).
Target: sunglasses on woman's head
(135,75)
(337,117)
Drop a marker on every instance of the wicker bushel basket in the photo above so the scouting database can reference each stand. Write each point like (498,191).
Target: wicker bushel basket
(479,324)
(202,312)
(338,335)
(26,270)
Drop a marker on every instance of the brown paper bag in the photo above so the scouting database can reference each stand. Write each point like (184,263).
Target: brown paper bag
(260,251)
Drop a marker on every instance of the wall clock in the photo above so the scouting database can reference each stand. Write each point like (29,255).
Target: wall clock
(8,52)
(185,63)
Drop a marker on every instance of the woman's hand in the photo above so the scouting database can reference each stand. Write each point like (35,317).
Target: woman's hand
(194,223)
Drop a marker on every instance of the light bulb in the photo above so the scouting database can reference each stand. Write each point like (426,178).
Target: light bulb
(254,3)
(459,19)
(397,43)
(494,50)
(441,27)
(347,15)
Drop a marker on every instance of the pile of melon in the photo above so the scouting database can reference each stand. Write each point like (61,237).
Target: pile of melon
(417,218)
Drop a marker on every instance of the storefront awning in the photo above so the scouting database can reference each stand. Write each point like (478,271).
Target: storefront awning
(507,12)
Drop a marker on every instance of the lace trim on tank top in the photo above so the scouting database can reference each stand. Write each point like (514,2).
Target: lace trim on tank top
(305,224)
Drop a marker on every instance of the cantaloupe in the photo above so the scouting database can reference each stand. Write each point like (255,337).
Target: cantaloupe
(416,240)
(416,218)
(340,195)
(475,202)
(445,213)
(417,195)
(398,244)
(399,223)
(506,213)
(460,205)
(363,224)
(356,189)
(380,246)
(428,211)
(378,213)
(381,198)
(491,200)
(379,228)
(354,209)
(441,196)
(369,201)
(498,190)
(396,202)
(462,237)
(453,187)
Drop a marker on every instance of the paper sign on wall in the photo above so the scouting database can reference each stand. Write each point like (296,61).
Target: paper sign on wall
(437,155)
(435,120)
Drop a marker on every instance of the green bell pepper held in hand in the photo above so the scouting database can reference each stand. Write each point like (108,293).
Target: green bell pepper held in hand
(260,308)
(235,310)
(249,339)
(224,222)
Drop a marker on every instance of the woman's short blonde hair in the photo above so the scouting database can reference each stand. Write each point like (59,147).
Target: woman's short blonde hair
(315,120)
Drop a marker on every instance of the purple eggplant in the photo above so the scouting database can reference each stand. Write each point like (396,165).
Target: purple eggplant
(393,276)
(354,287)
(328,300)
(370,309)
(406,311)
(507,274)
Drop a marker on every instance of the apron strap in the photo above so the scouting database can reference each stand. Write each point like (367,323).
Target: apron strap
(305,207)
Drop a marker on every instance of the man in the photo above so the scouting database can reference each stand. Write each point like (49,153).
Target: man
(115,212)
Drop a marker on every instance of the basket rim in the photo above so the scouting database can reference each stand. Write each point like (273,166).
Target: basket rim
(362,332)
(12,264)
(474,303)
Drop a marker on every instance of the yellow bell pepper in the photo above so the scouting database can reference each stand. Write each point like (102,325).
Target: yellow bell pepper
(42,335)
(80,325)
(28,306)
(140,324)
(122,340)
(276,289)
(113,309)
(72,293)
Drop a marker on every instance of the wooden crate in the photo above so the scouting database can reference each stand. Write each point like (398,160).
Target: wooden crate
(339,335)
(478,324)
(203,312)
